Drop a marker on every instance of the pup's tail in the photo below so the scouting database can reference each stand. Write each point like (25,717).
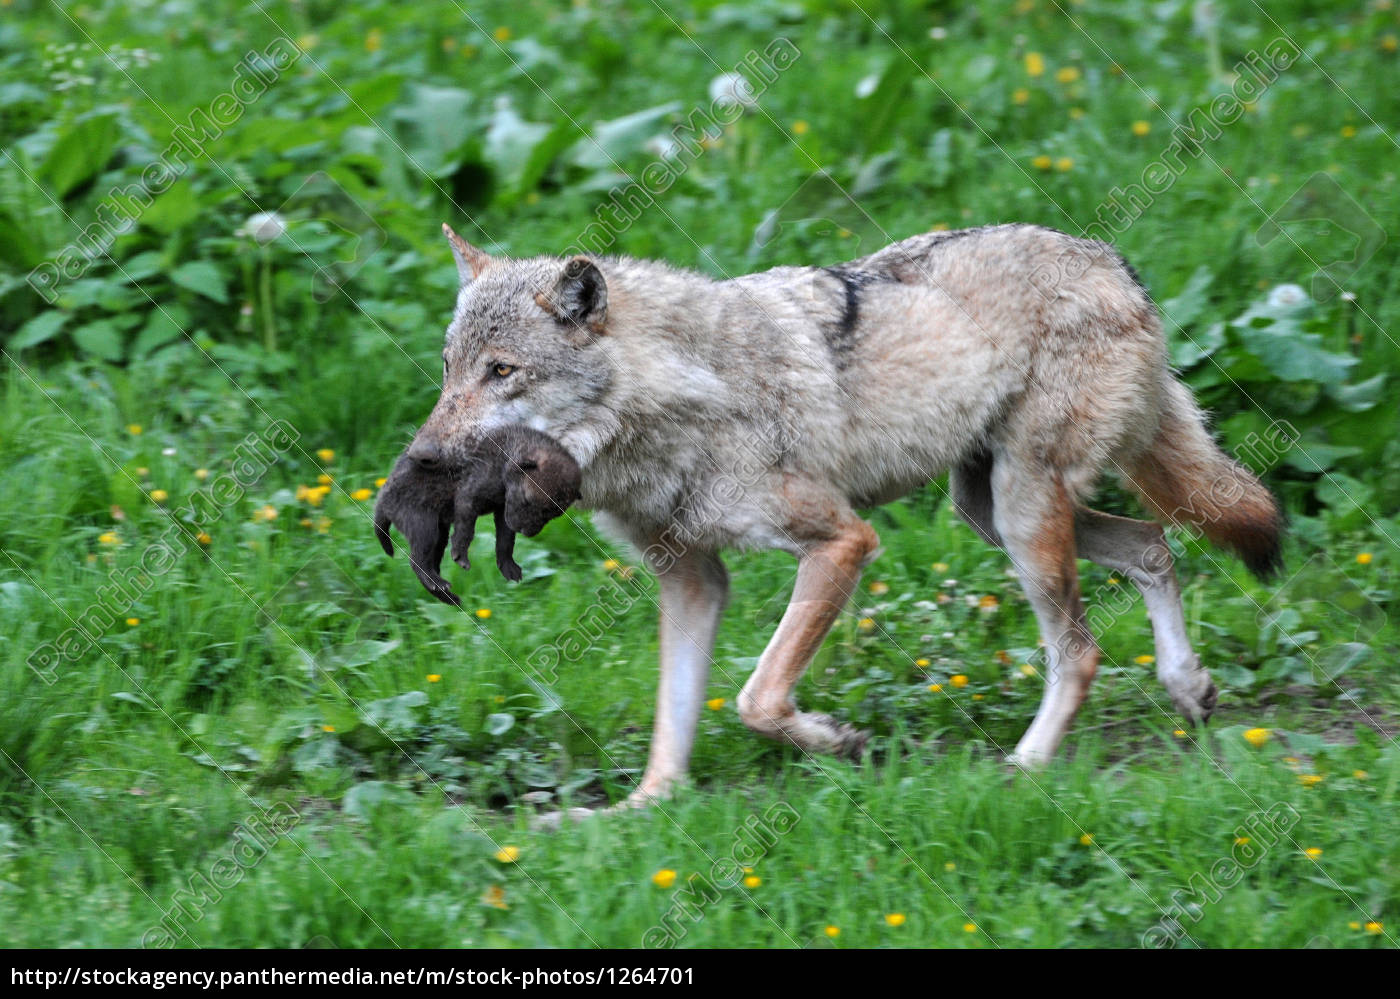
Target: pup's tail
(1184,478)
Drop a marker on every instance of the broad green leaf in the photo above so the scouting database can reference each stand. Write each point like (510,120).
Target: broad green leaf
(202,277)
(100,338)
(43,327)
(80,153)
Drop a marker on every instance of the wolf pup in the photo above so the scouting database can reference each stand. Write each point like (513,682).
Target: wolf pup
(762,411)
(522,476)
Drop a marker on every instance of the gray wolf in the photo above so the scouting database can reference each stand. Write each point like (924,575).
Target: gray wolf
(520,475)
(935,353)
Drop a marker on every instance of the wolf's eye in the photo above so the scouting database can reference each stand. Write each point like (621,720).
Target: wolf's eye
(502,370)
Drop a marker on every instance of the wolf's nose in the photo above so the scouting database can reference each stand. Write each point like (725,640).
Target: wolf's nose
(425,454)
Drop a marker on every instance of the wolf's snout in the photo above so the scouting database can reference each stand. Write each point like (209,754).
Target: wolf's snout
(426,454)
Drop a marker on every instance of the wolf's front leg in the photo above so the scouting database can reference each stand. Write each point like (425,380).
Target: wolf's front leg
(694,590)
(827,574)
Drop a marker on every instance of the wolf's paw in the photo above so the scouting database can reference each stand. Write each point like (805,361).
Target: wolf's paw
(1194,695)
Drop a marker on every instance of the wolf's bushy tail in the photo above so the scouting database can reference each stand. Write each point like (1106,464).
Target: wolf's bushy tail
(1185,479)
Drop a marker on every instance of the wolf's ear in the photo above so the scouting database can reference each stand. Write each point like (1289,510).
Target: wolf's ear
(579,296)
(470,260)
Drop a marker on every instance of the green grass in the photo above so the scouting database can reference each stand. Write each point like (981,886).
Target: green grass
(284,667)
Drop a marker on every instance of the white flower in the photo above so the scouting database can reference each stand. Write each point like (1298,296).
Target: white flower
(1348,296)
(264,226)
(733,90)
(938,34)
(1287,296)
(663,147)
(169,452)
(867,85)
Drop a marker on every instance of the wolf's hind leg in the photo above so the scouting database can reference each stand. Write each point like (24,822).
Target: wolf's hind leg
(1138,549)
(1034,516)
(827,573)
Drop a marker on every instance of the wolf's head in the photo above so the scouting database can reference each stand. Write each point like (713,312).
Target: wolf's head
(523,347)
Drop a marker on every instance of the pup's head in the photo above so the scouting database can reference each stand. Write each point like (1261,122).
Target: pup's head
(525,346)
(541,481)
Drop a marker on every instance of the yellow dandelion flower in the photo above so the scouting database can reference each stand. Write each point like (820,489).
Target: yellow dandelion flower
(1375,928)
(969,927)
(800,128)
(326,454)
(134,429)
(1364,558)
(108,538)
(501,34)
(203,538)
(327,728)
(1064,164)
(1020,95)
(611,565)
(483,612)
(1112,580)
(159,495)
(664,878)
(1360,774)
(988,603)
(373,42)
(832,931)
(307,42)
(958,680)
(1145,660)
(324,479)
(921,663)
(1068,74)
(715,703)
(1141,128)
(895,919)
(1313,852)
(1348,131)
(1256,737)
(1027,669)
(949,866)
(1035,64)
(1042,162)
(979,697)
(935,687)
(132,622)
(1086,840)
(379,483)
(316,494)
(434,677)
(940,567)
(1180,733)
(507,854)
(361,494)
(879,588)
(265,513)
(495,897)
(1354,925)
(866,624)
(142,471)
(752,881)
(201,474)
(1310,780)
